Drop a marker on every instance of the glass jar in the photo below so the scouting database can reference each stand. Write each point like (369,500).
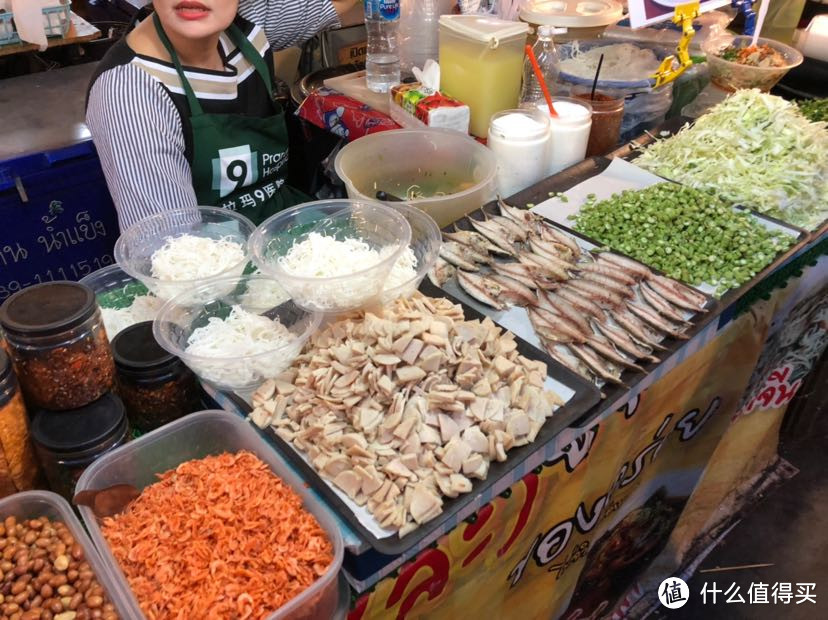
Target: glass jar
(67,442)
(17,459)
(58,344)
(156,386)
(607,115)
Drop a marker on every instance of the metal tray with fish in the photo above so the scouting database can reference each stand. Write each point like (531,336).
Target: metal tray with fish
(603,315)
(580,398)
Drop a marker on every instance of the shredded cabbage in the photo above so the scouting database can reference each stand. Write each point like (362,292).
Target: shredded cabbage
(259,348)
(753,149)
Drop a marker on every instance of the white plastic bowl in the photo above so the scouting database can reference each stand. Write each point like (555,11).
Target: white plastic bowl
(135,247)
(257,294)
(382,228)
(426,240)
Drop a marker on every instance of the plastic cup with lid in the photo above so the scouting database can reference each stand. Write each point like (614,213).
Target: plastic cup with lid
(519,139)
(568,132)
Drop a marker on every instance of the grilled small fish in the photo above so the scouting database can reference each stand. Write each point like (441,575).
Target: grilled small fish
(547,232)
(555,269)
(678,294)
(659,304)
(551,248)
(620,289)
(600,295)
(544,321)
(482,289)
(654,320)
(514,291)
(494,233)
(622,341)
(627,264)
(441,272)
(604,348)
(521,216)
(517,232)
(638,329)
(476,241)
(462,256)
(608,271)
(585,305)
(553,302)
(518,271)
(569,361)
(604,370)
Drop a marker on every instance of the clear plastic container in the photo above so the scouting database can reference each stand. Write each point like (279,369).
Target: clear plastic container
(116,291)
(426,240)
(382,228)
(455,172)
(183,314)
(197,436)
(58,344)
(481,64)
(135,247)
(37,504)
(732,76)
(520,141)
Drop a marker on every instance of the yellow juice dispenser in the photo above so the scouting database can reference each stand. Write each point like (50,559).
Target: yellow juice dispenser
(481,64)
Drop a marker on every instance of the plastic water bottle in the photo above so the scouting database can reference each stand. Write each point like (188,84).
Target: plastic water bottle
(419,27)
(382,65)
(550,66)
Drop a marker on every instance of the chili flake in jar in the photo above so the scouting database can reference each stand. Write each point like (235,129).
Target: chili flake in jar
(156,386)
(58,344)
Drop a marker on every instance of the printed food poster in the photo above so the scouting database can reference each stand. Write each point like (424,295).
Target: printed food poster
(646,12)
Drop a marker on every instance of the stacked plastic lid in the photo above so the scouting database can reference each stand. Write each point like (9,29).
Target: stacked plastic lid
(572,13)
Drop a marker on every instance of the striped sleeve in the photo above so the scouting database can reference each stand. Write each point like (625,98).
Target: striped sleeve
(289,22)
(137,132)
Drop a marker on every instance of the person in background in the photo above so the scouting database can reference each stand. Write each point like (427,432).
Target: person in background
(181,110)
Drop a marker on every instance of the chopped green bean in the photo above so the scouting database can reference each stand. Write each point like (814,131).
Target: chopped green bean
(688,234)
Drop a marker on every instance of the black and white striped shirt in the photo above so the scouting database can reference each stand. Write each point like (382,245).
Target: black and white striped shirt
(139,117)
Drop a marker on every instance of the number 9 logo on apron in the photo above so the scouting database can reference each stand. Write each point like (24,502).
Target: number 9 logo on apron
(235,168)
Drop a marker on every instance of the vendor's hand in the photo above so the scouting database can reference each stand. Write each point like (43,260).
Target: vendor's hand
(350,12)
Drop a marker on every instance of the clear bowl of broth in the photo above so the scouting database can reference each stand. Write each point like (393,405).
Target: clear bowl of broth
(445,173)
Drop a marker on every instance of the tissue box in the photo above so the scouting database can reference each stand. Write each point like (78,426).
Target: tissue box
(415,102)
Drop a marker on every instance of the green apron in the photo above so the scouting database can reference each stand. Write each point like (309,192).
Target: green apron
(238,162)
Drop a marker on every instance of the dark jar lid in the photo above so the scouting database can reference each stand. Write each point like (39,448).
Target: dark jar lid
(48,309)
(138,355)
(80,429)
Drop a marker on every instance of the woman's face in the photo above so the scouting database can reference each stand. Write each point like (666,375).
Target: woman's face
(196,19)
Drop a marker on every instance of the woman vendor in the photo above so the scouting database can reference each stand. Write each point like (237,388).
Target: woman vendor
(181,109)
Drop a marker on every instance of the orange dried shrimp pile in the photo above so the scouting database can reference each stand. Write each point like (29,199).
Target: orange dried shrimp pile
(219,537)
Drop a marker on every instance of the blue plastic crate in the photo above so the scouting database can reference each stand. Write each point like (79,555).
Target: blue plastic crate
(56,21)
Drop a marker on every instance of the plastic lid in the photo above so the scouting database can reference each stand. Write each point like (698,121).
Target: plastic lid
(572,13)
(136,349)
(49,308)
(79,429)
(484,29)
